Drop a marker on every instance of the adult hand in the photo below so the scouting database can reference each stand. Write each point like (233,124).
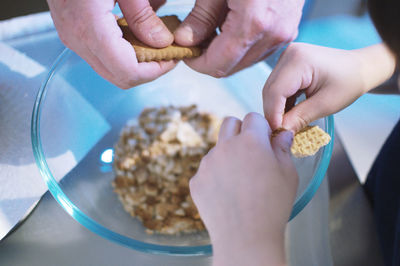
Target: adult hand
(250,31)
(90,29)
(244,190)
(331,79)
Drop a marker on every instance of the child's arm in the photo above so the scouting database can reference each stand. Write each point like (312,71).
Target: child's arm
(332,79)
(392,86)
(378,64)
(244,190)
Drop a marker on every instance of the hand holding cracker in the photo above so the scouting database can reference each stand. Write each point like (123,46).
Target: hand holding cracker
(244,190)
(250,31)
(89,28)
(331,79)
(146,53)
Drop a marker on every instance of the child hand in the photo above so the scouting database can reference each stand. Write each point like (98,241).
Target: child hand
(331,79)
(244,190)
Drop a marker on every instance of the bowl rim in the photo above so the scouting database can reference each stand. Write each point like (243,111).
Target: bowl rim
(101,230)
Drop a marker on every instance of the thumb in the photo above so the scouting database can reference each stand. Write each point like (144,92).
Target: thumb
(309,110)
(200,23)
(145,24)
(281,144)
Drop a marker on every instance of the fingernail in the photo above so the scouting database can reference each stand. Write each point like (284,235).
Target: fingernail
(185,34)
(287,139)
(158,33)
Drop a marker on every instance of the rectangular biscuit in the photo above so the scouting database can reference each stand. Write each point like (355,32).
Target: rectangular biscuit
(145,53)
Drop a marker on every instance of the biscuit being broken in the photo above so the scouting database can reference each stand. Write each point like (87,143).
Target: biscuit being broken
(307,141)
(145,53)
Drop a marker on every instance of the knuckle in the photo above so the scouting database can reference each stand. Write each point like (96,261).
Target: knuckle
(205,16)
(296,51)
(129,84)
(252,116)
(259,24)
(126,83)
(137,18)
(124,86)
(218,73)
(128,77)
(283,36)
(302,120)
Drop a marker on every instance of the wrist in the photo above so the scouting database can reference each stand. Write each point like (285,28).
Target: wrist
(377,65)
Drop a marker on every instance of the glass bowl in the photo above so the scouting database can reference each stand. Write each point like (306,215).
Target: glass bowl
(77,119)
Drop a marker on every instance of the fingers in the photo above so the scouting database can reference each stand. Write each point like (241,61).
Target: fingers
(256,123)
(305,112)
(285,81)
(291,101)
(145,24)
(118,56)
(244,40)
(224,52)
(200,23)
(148,71)
(274,102)
(90,29)
(230,127)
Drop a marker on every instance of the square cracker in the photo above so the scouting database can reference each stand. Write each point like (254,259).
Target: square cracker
(308,141)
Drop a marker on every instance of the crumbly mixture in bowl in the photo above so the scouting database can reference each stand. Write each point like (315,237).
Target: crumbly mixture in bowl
(155,157)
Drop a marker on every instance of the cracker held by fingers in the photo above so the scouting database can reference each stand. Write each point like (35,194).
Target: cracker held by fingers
(307,141)
(145,53)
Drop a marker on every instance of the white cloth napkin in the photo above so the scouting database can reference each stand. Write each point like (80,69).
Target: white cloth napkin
(21,184)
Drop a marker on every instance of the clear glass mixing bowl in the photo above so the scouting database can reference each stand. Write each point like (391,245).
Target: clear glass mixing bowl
(76,121)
